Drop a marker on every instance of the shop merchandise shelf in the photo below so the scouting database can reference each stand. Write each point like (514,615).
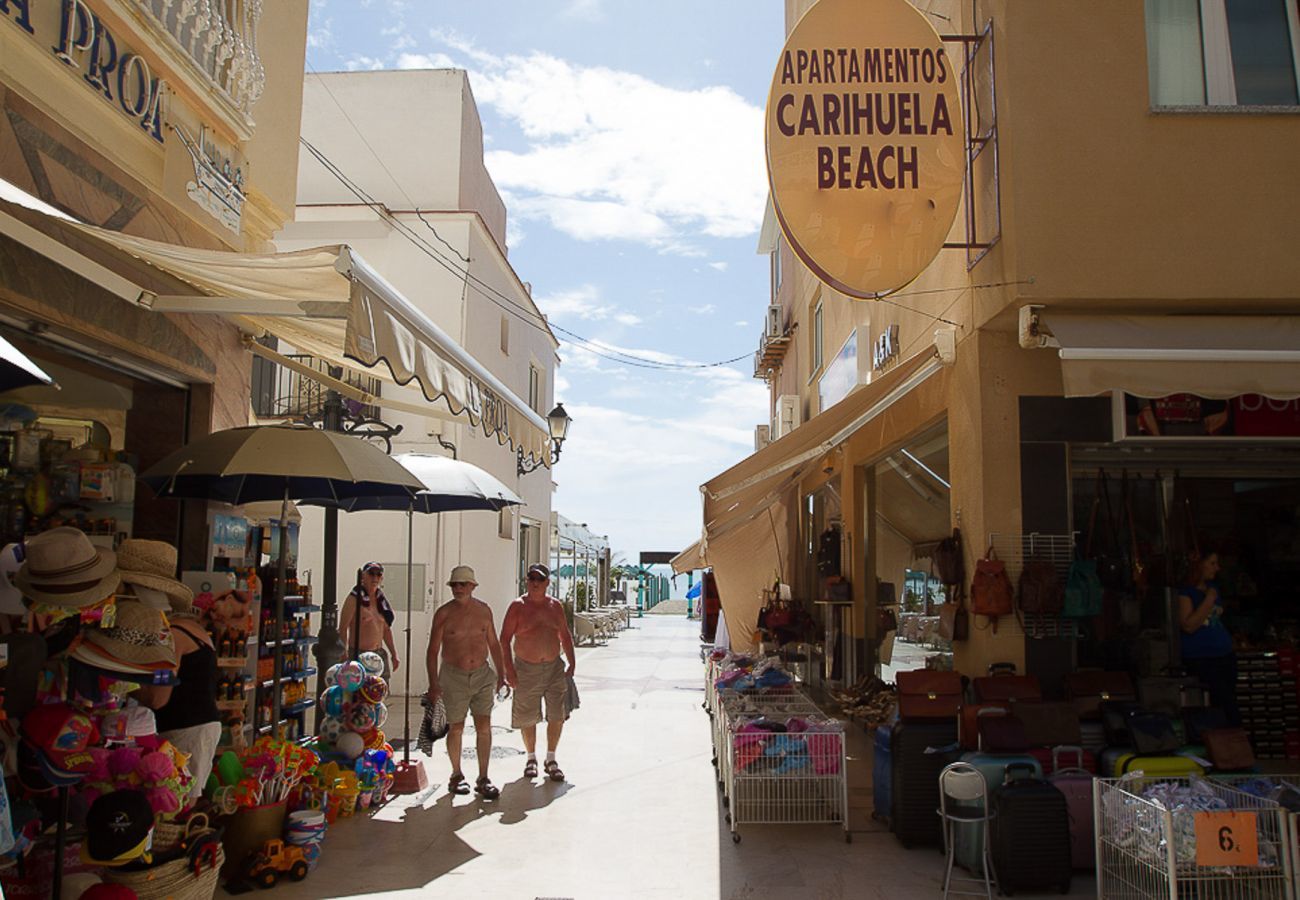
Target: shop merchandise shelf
(231,662)
(292,676)
(298,708)
(230,705)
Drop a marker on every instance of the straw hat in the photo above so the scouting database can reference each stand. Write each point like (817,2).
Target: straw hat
(152,564)
(462,573)
(63,568)
(139,635)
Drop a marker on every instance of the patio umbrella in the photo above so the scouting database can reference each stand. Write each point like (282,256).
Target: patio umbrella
(17,371)
(450,485)
(280,462)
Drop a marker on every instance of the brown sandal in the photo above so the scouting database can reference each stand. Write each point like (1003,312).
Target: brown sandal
(553,771)
(456,784)
(486,789)
(530,769)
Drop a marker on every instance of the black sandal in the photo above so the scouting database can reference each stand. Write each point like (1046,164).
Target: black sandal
(456,784)
(530,769)
(486,789)
(553,771)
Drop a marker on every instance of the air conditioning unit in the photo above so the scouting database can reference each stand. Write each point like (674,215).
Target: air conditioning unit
(787,415)
(762,436)
(773,327)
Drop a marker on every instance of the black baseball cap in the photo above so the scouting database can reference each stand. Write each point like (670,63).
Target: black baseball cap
(119,828)
(539,569)
(377,568)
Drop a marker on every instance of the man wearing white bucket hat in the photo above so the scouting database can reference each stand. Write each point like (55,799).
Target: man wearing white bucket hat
(464,635)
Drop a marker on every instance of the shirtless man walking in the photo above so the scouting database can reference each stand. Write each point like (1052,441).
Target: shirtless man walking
(537,626)
(465,635)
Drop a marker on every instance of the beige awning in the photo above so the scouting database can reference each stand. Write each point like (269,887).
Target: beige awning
(324,301)
(745,507)
(689,560)
(1155,356)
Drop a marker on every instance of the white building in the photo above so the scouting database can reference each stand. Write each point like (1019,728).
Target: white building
(422,211)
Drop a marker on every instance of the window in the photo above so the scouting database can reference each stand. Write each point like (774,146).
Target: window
(505,335)
(1223,52)
(534,388)
(817,338)
(776,270)
(506,523)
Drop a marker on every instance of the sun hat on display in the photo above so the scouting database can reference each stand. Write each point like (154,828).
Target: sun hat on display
(138,636)
(152,564)
(462,573)
(63,568)
(11,598)
(119,829)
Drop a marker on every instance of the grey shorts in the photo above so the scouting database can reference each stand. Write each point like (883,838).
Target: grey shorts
(467,692)
(537,682)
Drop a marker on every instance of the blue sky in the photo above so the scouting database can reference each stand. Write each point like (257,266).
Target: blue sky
(626,139)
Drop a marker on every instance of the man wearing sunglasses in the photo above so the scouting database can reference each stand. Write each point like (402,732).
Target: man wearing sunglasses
(536,625)
(465,636)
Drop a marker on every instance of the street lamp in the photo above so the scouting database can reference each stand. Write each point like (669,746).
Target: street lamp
(558,424)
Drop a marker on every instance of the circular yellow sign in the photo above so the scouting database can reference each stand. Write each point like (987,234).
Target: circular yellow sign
(865,144)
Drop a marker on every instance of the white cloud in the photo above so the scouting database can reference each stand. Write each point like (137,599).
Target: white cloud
(742,324)
(612,155)
(425,61)
(361,62)
(579,303)
(627,319)
(720,266)
(587,10)
(705,310)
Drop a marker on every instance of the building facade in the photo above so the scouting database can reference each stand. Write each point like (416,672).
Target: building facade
(392,165)
(1119,296)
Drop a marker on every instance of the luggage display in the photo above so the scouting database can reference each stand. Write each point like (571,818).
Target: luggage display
(927,696)
(994,766)
(1114,720)
(1092,737)
(882,793)
(1109,758)
(1152,734)
(1076,785)
(1030,835)
(1048,723)
(994,688)
(1089,689)
(1002,734)
(968,732)
(914,779)
(1166,766)
(1053,759)
(1170,694)
(1199,719)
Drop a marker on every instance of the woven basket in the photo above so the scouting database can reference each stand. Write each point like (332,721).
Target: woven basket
(167,836)
(170,881)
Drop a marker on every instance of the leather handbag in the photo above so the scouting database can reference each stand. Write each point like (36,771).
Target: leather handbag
(1048,723)
(1229,748)
(954,622)
(994,688)
(1083,591)
(991,593)
(1088,689)
(924,695)
(1041,591)
(949,564)
(1002,734)
(1153,734)
(968,729)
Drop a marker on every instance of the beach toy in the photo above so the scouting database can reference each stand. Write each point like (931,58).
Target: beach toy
(373,689)
(376,740)
(332,700)
(332,673)
(230,768)
(351,745)
(350,676)
(381,715)
(331,730)
(361,719)
(372,661)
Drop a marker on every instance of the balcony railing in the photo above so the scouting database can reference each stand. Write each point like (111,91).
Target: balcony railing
(220,36)
(283,393)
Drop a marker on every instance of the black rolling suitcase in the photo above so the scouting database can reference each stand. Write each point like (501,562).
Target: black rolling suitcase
(915,779)
(1030,834)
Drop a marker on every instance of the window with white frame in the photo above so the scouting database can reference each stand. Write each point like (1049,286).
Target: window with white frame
(505,335)
(1223,52)
(776,270)
(817,337)
(534,388)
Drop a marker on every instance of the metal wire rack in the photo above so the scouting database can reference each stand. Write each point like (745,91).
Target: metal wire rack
(1146,850)
(1058,549)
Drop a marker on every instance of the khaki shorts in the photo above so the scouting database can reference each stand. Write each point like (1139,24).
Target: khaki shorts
(538,681)
(467,692)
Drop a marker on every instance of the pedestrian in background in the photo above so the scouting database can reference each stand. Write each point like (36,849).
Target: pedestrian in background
(366,620)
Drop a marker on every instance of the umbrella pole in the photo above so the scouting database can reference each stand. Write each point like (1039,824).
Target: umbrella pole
(281,576)
(410,563)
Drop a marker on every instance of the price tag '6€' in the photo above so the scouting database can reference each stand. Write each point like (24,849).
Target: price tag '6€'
(1227,839)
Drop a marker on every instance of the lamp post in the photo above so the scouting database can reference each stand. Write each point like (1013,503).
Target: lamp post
(557,423)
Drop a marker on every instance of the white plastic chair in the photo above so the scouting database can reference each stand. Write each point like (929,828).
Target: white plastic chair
(964,784)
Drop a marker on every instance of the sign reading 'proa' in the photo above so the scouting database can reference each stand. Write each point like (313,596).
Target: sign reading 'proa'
(865,145)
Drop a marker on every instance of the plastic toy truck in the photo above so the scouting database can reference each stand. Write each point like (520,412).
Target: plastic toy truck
(276,858)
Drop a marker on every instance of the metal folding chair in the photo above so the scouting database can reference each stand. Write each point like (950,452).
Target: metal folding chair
(964,801)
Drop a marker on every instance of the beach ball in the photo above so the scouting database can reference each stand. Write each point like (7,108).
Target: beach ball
(332,700)
(351,745)
(361,718)
(381,714)
(332,673)
(331,729)
(372,662)
(373,689)
(376,740)
(350,676)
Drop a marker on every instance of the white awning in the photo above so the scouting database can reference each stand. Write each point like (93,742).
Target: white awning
(324,301)
(690,559)
(1155,356)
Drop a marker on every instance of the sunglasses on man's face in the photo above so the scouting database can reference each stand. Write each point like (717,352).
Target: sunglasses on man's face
(460,583)
(536,577)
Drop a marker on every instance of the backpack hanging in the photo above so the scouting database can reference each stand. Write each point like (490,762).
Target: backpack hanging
(1041,592)
(991,593)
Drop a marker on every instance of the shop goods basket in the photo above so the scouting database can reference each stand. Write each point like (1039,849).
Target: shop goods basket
(1252,784)
(787,778)
(1152,843)
(736,707)
(175,880)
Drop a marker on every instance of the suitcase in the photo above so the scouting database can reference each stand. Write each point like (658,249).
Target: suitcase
(1109,758)
(1030,835)
(927,696)
(1172,766)
(1049,722)
(914,779)
(1170,694)
(1089,689)
(1092,737)
(882,758)
(1076,785)
(1053,759)
(1005,688)
(968,725)
(1114,721)
(968,842)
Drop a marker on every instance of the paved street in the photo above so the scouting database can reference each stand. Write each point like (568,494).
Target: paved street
(639,816)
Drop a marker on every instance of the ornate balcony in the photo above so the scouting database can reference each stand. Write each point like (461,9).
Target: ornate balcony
(220,38)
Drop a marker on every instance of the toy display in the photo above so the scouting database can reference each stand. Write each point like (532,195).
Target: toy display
(354,709)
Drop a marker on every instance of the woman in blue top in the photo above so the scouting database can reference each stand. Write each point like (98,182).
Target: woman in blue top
(1206,642)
